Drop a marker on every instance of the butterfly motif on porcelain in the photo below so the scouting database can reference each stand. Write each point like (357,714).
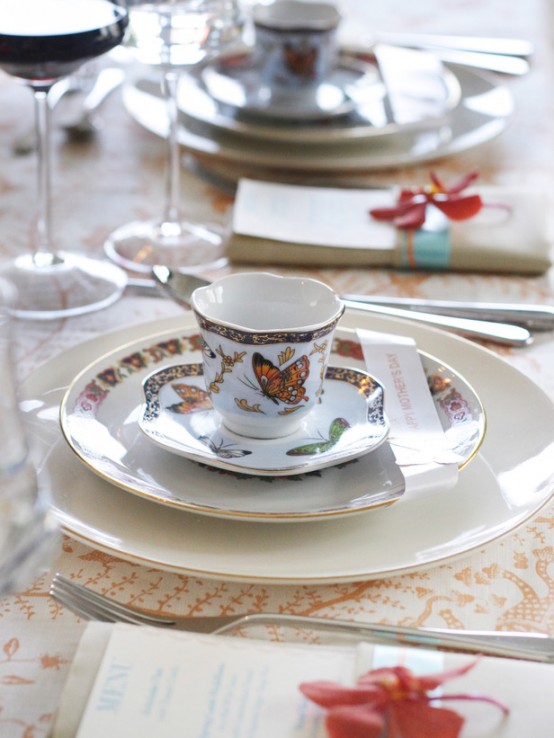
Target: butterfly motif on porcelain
(337,428)
(192,399)
(207,351)
(284,384)
(223,450)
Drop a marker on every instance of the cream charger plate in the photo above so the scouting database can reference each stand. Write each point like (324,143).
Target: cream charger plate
(508,482)
(102,410)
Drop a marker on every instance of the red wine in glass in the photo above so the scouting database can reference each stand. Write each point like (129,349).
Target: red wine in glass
(42,41)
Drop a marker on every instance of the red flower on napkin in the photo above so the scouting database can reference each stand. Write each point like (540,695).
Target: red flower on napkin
(392,699)
(410,209)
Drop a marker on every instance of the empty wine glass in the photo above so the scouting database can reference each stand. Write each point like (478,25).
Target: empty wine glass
(172,36)
(42,41)
(29,534)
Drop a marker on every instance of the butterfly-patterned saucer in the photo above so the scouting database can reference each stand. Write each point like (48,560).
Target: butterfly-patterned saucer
(348,422)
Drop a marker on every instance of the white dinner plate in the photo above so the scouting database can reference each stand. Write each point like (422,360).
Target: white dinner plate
(100,417)
(483,112)
(509,481)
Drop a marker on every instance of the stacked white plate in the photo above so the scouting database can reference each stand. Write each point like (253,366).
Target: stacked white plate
(406,109)
(116,490)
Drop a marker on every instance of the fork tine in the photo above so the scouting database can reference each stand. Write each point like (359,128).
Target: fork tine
(99,607)
(87,611)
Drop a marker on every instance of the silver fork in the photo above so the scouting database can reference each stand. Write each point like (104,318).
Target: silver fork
(94,606)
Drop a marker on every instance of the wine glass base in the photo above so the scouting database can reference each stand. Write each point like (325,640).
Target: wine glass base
(62,285)
(185,247)
(37,544)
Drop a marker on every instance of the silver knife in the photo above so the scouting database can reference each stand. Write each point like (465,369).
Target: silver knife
(534,317)
(483,44)
(505,333)
(501,63)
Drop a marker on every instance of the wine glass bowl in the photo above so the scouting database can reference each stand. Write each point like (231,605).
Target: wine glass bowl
(42,41)
(174,36)
(43,46)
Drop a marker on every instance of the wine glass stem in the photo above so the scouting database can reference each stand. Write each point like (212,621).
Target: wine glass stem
(173,167)
(43,245)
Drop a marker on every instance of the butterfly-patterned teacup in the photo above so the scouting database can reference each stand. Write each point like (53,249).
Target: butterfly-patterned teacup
(266,346)
(296,46)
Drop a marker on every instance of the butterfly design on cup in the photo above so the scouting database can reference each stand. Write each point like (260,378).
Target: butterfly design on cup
(336,429)
(207,351)
(192,399)
(223,450)
(281,384)
(301,62)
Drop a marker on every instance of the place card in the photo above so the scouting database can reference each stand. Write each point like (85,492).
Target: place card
(417,439)
(275,223)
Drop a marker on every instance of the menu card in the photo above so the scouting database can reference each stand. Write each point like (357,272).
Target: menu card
(297,225)
(143,682)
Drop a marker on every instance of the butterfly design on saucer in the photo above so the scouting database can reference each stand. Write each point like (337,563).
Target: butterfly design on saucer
(281,385)
(223,450)
(336,429)
(192,399)
(348,422)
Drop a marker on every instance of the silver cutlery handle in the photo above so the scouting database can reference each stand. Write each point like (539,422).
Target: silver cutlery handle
(481,44)
(501,63)
(534,317)
(531,646)
(493,62)
(504,334)
(109,79)
(501,333)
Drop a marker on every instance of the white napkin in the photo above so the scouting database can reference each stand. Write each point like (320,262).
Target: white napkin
(142,682)
(293,224)
(417,439)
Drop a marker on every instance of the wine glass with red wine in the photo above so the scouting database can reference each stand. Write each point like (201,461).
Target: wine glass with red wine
(174,36)
(42,41)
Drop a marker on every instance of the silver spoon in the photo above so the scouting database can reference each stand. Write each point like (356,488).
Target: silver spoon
(85,124)
(180,287)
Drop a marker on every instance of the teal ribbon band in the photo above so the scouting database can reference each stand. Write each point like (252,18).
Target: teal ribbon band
(428,247)
(428,250)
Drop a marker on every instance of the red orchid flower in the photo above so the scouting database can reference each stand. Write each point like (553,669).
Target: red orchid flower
(391,698)
(410,209)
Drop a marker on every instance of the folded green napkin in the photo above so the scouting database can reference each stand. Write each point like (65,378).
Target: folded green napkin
(331,227)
